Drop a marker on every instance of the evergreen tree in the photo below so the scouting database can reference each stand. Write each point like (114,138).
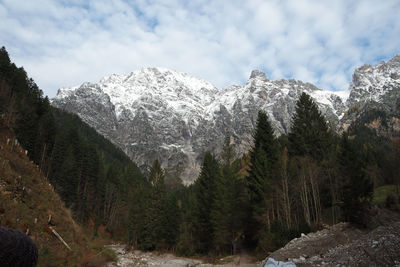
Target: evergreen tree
(263,160)
(153,230)
(264,139)
(205,194)
(309,134)
(170,221)
(263,157)
(67,179)
(137,228)
(87,183)
(227,212)
(356,189)
(186,243)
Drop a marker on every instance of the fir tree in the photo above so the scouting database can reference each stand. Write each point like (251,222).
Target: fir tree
(309,133)
(186,243)
(263,158)
(153,228)
(356,189)
(205,194)
(264,138)
(225,213)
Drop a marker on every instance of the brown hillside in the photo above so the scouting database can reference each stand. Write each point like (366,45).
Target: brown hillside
(27,201)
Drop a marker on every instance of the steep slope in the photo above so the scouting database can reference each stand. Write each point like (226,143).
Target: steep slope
(376,89)
(26,202)
(158,113)
(373,83)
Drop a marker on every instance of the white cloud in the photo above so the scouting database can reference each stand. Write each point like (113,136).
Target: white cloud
(65,43)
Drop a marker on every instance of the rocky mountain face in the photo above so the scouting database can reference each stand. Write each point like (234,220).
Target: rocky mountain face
(156,113)
(376,88)
(375,83)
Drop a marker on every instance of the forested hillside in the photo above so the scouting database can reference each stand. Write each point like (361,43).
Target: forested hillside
(29,204)
(91,175)
(282,187)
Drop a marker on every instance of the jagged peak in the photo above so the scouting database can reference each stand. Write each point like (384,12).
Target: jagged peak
(396,58)
(259,74)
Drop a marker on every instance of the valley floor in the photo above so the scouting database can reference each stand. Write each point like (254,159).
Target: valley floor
(140,258)
(337,245)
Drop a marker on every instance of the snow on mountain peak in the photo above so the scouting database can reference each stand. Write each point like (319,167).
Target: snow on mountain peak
(157,113)
(371,83)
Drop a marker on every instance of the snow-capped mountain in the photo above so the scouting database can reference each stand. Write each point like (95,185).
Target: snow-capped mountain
(372,83)
(376,87)
(156,113)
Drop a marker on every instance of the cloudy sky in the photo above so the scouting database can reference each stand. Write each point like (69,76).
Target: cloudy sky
(67,42)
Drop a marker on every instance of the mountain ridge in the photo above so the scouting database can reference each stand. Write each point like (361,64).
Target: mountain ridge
(156,113)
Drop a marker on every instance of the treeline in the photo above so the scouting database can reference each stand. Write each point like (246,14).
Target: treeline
(92,176)
(283,187)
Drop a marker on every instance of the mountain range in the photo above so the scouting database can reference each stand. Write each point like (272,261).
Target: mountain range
(157,113)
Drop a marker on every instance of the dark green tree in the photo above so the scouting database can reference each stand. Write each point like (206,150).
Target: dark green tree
(263,157)
(227,212)
(170,222)
(137,228)
(186,243)
(205,194)
(264,138)
(153,233)
(309,133)
(356,189)
(263,160)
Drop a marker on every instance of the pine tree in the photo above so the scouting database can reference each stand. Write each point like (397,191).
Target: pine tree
(186,243)
(170,221)
(87,184)
(153,228)
(226,214)
(205,194)
(356,189)
(263,159)
(264,138)
(309,133)
(67,179)
(137,216)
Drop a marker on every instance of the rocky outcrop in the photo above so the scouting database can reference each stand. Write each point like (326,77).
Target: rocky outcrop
(375,83)
(375,89)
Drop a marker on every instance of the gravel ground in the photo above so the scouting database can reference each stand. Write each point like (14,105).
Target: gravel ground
(140,258)
(337,245)
(344,245)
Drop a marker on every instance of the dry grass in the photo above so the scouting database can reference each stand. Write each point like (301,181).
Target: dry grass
(26,201)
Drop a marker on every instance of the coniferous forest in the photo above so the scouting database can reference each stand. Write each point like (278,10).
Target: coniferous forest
(282,187)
